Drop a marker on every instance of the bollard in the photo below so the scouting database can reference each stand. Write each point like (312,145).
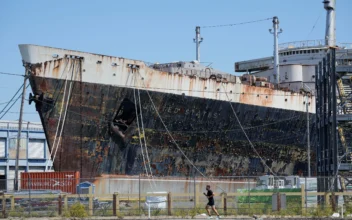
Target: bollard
(60,205)
(169,204)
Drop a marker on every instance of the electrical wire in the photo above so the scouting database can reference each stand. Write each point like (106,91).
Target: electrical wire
(13,103)
(3,103)
(314,24)
(11,74)
(28,113)
(241,23)
(19,89)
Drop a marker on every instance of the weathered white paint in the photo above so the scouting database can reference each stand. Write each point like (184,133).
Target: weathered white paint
(100,69)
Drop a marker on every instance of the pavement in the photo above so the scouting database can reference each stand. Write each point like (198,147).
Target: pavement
(173,217)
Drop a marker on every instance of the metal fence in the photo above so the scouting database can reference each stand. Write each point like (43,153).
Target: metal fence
(171,196)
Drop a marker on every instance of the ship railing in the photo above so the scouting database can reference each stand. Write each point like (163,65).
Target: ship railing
(345,45)
(299,44)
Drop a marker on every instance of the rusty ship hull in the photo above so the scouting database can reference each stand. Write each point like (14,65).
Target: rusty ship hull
(87,104)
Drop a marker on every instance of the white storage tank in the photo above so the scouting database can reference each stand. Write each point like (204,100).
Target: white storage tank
(291,73)
(309,73)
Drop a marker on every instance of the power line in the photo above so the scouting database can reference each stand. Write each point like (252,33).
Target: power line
(3,103)
(314,25)
(7,104)
(14,102)
(22,113)
(11,74)
(241,23)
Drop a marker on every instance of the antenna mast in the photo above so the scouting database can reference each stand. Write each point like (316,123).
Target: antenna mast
(198,40)
(276,33)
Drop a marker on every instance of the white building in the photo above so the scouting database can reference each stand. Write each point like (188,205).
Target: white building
(33,155)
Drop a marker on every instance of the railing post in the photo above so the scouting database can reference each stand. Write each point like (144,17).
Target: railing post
(278,201)
(235,199)
(12,203)
(115,203)
(65,203)
(60,205)
(303,198)
(327,200)
(169,204)
(3,204)
(224,195)
(197,195)
(90,205)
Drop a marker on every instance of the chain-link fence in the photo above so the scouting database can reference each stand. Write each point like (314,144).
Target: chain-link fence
(172,196)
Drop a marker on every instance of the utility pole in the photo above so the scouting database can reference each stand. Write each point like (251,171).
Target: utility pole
(19,132)
(198,40)
(276,33)
(308,139)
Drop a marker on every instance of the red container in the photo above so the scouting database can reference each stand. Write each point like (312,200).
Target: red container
(64,181)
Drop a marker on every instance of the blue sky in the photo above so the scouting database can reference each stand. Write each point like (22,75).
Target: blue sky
(155,31)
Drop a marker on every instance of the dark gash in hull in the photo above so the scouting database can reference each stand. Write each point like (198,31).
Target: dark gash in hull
(205,129)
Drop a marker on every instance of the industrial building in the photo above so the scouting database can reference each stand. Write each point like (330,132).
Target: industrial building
(34,153)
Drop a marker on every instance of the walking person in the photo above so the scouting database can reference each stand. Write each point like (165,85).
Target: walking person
(211,203)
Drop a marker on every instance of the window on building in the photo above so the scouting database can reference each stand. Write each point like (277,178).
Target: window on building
(2,147)
(13,147)
(286,75)
(36,149)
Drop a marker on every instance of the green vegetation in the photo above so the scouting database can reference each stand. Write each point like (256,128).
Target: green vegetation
(77,210)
